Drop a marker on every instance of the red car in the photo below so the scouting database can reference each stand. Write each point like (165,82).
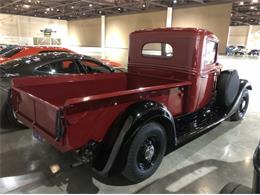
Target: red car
(173,91)
(22,51)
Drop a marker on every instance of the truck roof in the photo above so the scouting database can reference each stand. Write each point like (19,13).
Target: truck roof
(192,31)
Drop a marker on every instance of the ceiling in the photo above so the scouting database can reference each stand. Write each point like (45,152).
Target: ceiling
(244,13)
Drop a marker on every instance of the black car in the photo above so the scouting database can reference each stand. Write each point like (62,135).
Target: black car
(43,64)
(254,52)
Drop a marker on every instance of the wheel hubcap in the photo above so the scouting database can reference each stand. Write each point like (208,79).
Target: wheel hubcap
(243,105)
(149,152)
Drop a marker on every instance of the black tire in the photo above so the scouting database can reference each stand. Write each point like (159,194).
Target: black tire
(145,152)
(11,117)
(227,87)
(242,107)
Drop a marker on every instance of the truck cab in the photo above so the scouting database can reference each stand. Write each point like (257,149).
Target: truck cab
(180,54)
(174,90)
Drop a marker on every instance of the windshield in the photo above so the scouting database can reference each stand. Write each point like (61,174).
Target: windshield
(10,65)
(6,49)
(12,52)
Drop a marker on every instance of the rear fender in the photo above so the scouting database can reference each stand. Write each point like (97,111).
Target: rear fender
(131,122)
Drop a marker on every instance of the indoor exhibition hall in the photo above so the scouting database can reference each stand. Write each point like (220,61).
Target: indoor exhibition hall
(130,96)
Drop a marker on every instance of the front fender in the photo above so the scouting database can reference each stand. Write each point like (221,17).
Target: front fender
(130,122)
(244,85)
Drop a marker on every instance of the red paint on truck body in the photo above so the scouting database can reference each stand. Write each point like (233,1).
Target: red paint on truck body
(91,104)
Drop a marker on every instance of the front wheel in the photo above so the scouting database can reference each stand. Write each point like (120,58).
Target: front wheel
(242,107)
(145,152)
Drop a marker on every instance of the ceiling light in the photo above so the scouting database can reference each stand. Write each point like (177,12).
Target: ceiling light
(26,6)
(45,12)
(29,1)
(119,9)
(51,9)
(143,5)
(84,14)
(174,1)
(47,9)
(72,7)
(254,1)
(252,7)
(241,3)
(100,12)
(58,10)
(90,5)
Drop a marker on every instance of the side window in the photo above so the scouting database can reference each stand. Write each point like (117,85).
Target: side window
(94,67)
(210,53)
(60,67)
(64,67)
(157,49)
(44,69)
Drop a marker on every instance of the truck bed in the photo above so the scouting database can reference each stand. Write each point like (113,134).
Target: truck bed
(84,99)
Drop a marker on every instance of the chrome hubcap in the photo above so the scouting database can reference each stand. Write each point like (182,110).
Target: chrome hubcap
(149,152)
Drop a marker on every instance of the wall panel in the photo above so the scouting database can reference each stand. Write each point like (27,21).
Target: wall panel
(16,29)
(118,28)
(86,32)
(215,18)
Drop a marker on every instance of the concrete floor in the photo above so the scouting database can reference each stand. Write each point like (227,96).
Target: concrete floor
(204,165)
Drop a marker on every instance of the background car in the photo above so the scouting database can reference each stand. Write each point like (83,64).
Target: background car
(22,51)
(230,50)
(240,50)
(254,52)
(52,63)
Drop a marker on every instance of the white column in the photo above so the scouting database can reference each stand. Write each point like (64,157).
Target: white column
(103,36)
(169,17)
(249,33)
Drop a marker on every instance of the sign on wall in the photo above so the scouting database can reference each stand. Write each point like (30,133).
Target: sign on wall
(46,40)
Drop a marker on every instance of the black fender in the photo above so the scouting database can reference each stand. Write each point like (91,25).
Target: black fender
(244,85)
(130,122)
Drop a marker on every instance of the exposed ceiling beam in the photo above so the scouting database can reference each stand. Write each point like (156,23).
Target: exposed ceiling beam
(198,1)
(9,4)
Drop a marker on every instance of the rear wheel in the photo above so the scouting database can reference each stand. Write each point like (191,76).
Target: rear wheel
(145,152)
(242,107)
(12,117)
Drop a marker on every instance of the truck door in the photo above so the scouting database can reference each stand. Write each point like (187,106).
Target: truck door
(208,73)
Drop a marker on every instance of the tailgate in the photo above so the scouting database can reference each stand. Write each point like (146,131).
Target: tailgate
(37,114)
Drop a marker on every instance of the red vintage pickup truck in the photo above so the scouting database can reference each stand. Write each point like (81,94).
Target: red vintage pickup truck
(173,91)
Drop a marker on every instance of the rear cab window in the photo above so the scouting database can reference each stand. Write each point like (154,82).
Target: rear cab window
(157,50)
